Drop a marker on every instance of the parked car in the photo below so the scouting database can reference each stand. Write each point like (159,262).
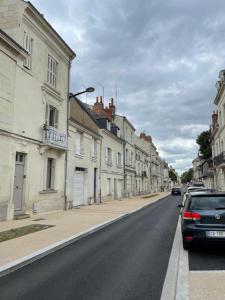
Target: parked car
(198,183)
(176,191)
(203,218)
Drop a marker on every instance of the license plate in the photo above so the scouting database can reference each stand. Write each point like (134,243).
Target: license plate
(216,234)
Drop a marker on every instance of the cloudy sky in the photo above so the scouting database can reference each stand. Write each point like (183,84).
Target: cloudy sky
(163,57)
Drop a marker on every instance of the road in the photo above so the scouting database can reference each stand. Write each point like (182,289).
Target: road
(126,260)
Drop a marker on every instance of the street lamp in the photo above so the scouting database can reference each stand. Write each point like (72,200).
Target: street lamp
(88,90)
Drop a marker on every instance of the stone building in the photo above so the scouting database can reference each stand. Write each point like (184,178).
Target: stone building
(33,111)
(84,156)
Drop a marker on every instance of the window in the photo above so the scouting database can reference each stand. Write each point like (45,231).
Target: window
(50,174)
(108,156)
(131,159)
(118,132)
(79,143)
(108,125)
(94,148)
(52,68)
(27,44)
(51,116)
(119,160)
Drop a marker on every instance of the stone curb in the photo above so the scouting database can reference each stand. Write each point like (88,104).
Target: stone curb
(28,259)
(175,285)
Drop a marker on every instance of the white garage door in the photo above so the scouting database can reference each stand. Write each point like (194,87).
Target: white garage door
(78,188)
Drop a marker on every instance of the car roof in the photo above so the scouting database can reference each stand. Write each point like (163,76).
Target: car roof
(204,194)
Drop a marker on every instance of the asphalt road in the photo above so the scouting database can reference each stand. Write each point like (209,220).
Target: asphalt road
(126,260)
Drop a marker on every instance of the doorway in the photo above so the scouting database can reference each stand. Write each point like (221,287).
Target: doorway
(19,183)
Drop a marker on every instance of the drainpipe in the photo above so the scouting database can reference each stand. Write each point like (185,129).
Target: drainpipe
(67,131)
(100,174)
(124,176)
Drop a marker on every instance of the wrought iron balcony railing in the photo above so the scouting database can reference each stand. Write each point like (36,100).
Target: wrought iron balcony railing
(219,159)
(52,136)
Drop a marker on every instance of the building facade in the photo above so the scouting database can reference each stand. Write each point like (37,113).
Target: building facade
(83,158)
(218,134)
(34,103)
(127,133)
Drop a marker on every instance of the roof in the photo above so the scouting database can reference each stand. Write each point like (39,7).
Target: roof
(32,7)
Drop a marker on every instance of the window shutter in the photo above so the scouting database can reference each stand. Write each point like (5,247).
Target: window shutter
(112,157)
(106,154)
(47,114)
(117,159)
(93,148)
(78,146)
(56,118)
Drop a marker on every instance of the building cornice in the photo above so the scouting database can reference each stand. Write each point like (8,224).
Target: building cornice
(13,44)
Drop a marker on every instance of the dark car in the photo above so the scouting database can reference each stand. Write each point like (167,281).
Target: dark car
(176,191)
(203,218)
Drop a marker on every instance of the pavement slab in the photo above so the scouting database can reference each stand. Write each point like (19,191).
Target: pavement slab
(66,224)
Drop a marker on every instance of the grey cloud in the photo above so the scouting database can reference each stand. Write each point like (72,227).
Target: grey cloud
(164,57)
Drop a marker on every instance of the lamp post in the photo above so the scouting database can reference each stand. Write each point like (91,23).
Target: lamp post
(88,90)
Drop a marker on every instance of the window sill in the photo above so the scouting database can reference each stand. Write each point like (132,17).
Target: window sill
(48,192)
(108,163)
(79,155)
(28,71)
(94,158)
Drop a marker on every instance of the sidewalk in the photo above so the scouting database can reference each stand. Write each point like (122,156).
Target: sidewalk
(66,224)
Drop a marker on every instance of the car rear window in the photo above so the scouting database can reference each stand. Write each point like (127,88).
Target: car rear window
(176,189)
(207,203)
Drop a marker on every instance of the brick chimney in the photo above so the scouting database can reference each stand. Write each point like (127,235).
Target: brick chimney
(110,111)
(98,107)
(142,136)
(148,138)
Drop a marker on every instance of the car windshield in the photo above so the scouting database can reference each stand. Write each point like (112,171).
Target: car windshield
(207,203)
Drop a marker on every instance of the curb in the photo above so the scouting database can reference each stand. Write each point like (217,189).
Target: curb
(28,259)
(175,285)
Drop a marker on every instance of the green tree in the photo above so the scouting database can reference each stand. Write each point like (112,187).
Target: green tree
(173,175)
(204,142)
(187,176)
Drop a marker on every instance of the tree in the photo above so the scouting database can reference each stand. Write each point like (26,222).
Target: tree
(187,176)
(172,175)
(204,142)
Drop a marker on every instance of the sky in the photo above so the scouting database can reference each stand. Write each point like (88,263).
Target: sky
(160,58)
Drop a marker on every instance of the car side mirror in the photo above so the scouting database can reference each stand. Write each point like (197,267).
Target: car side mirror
(180,205)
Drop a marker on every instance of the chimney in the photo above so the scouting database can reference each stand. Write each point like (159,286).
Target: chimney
(142,135)
(98,107)
(111,110)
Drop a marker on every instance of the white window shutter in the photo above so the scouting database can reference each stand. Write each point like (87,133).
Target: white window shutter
(106,154)
(47,114)
(56,118)
(78,144)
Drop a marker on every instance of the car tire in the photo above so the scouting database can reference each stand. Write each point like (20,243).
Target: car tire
(186,245)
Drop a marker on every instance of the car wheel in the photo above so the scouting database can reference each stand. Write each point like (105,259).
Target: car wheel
(186,245)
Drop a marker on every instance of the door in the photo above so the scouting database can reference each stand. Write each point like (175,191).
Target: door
(18,182)
(78,188)
(115,190)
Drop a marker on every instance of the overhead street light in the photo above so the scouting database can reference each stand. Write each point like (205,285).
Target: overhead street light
(88,90)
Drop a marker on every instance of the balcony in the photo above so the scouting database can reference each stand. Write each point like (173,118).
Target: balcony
(51,136)
(219,159)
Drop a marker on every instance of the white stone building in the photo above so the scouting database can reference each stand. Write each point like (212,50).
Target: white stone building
(33,111)
(84,155)
(127,133)
(112,159)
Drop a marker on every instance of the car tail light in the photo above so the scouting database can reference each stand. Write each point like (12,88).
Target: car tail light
(188,238)
(187,215)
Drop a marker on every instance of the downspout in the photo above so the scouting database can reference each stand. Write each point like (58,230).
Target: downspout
(100,174)
(67,131)
(124,175)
